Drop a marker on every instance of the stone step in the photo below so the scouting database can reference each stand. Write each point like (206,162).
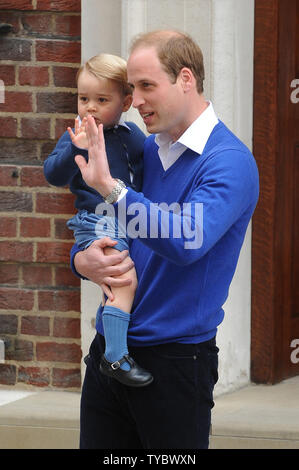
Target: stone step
(41,420)
(254,417)
(257,417)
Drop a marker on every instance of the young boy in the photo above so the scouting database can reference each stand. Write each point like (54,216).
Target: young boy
(104,94)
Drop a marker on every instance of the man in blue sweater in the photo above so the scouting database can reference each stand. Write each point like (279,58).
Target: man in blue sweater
(185,258)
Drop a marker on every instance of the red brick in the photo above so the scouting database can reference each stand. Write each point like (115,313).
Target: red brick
(37,275)
(17,101)
(67,328)
(59,300)
(22,350)
(15,201)
(8,227)
(38,128)
(15,49)
(61,126)
(8,324)
(13,18)
(35,227)
(8,175)
(62,231)
(8,374)
(34,76)
(9,273)
(65,277)
(68,25)
(33,176)
(65,76)
(58,51)
(16,5)
(46,148)
(66,378)
(58,352)
(16,299)
(37,376)
(7,74)
(16,251)
(32,325)
(19,151)
(8,126)
(37,24)
(59,5)
(59,102)
(53,252)
(55,203)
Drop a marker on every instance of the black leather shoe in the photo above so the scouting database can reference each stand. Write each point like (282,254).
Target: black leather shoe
(135,377)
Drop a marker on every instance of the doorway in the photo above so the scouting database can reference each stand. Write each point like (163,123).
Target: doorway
(275,227)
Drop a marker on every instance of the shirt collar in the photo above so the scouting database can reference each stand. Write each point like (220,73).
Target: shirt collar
(197,135)
(194,138)
(122,123)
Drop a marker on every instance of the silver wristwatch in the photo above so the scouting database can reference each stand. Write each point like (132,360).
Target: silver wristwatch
(113,196)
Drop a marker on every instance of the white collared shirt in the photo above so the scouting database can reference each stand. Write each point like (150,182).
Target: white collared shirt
(194,138)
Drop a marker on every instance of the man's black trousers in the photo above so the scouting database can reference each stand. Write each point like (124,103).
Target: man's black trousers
(173,412)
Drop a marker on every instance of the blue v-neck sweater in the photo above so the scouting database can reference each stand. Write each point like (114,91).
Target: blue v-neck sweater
(183,283)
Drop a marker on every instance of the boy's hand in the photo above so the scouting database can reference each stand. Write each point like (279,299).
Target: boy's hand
(79,138)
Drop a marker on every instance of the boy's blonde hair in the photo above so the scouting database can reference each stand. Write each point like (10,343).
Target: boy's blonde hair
(110,67)
(175,50)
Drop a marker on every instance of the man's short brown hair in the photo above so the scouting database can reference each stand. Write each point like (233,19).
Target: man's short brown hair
(175,50)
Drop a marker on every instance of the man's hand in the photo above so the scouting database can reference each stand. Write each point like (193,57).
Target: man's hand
(93,264)
(79,138)
(96,172)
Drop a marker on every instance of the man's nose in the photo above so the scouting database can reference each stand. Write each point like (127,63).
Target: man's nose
(138,99)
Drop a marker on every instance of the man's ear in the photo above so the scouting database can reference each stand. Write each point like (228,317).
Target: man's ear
(187,79)
(127,102)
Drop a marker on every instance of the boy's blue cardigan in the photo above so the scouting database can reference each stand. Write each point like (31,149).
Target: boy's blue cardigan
(124,149)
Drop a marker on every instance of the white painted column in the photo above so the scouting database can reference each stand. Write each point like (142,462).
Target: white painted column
(224,30)
(231,89)
(101,32)
(101,27)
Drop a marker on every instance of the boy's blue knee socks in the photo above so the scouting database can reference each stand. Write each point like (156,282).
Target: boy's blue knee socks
(115,324)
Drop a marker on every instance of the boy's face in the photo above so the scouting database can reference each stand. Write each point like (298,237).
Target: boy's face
(102,99)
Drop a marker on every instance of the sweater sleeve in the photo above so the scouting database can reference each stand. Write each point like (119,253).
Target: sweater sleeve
(225,190)
(60,166)
(74,250)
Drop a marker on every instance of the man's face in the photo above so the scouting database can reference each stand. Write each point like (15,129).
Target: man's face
(160,102)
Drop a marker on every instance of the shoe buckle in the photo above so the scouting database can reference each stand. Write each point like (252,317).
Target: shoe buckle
(115,365)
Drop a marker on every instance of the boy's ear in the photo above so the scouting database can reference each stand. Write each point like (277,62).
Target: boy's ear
(127,102)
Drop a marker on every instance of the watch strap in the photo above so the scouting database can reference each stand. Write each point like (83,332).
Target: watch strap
(113,196)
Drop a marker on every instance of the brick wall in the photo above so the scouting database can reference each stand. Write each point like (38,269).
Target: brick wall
(39,296)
